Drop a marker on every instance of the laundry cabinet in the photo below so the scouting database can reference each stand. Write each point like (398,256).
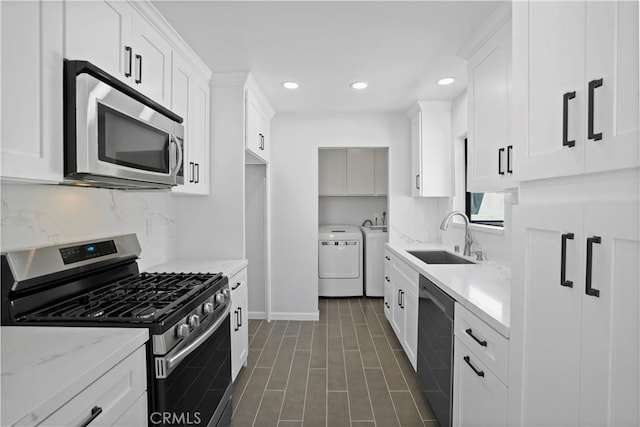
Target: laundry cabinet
(575,315)
(575,81)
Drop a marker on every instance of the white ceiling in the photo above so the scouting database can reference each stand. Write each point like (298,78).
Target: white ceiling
(400,48)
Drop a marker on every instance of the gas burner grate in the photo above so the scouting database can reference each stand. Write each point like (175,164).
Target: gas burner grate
(146,298)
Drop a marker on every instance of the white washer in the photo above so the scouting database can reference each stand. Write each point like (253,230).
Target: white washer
(374,240)
(339,261)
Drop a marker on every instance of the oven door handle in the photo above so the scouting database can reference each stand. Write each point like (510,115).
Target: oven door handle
(166,364)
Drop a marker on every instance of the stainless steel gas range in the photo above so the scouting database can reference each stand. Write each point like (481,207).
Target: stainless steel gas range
(97,283)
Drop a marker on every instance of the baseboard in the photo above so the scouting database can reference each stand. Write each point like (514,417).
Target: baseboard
(295,316)
(258,315)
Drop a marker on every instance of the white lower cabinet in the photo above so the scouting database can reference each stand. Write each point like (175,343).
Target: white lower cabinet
(239,322)
(388,287)
(403,301)
(117,398)
(479,399)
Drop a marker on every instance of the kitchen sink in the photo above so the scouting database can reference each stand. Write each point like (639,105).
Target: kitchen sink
(439,257)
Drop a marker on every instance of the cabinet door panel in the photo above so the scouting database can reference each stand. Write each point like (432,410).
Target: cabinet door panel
(333,171)
(181,105)
(416,154)
(545,324)
(610,373)
(252,123)
(200,136)
(360,171)
(153,69)
(411,326)
(612,43)
(98,32)
(381,174)
(552,68)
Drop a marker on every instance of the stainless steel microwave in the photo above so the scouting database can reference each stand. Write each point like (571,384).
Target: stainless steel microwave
(116,137)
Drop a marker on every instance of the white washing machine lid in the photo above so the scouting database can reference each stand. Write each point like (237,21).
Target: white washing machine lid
(339,232)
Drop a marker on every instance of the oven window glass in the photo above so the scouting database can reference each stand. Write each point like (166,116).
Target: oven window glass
(123,140)
(192,392)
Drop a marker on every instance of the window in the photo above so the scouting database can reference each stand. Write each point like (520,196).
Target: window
(483,208)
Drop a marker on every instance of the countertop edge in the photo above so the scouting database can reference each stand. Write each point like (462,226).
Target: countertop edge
(498,326)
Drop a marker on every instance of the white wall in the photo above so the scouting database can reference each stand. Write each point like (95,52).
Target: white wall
(495,244)
(294,165)
(351,210)
(34,215)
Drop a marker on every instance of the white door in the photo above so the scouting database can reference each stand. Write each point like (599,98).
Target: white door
(360,171)
(200,135)
(151,62)
(100,32)
(549,62)
(489,114)
(610,353)
(546,316)
(416,154)
(612,56)
(332,174)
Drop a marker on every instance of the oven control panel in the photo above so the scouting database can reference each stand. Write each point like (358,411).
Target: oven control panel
(87,251)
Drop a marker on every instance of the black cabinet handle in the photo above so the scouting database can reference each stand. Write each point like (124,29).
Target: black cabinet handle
(95,411)
(469,332)
(191,171)
(588,289)
(387,278)
(387,258)
(197,179)
(399,297)
(240,317)
(236,327)
(237,285)
(563,261)
(129,61)
(500,171)
(418,182)
(593,85)
(478,373)
(139,64)
(509,149)
(565,119)
(402,300)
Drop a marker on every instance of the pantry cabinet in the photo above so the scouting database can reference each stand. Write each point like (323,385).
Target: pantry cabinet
(190,100)
(431,147)
(575,315)
(352,172)
(258,114)
(490,146)
(575,102)
(239,322)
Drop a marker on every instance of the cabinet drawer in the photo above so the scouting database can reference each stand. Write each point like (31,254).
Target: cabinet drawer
(113,392)
(238,280)
(483,341)
(479,399)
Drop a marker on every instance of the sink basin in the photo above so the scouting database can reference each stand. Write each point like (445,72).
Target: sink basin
(439,257)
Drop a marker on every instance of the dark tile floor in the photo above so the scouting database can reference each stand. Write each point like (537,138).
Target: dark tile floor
(347,369)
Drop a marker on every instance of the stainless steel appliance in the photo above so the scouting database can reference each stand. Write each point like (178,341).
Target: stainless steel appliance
(97,283)
(116,137)
(435,349)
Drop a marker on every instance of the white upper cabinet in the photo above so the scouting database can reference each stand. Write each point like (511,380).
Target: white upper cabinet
(352,172)
(431,164)
(31,87)
(576,101)
(489,102)
(258,114)
(190,100)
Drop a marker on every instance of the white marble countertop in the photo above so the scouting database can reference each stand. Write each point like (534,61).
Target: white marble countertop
(44,367)
(483,288)
(193,265)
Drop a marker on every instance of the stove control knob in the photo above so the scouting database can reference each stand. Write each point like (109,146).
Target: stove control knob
(194,321)
(221,298)
(207,308)
(227,293)
(182,330)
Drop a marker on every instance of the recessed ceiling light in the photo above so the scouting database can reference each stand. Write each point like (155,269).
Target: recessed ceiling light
(359,85)
(446,81)
(290,85)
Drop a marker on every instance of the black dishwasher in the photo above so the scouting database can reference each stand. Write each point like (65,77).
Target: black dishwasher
(435,349)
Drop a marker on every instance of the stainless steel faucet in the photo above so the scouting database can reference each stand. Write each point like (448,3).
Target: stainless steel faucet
(468,240)
(367,221)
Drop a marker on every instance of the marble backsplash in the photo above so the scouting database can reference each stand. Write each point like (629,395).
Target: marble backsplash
(34,215)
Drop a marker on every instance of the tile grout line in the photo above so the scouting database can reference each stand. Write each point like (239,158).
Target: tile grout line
(413,398)
(306,386)
(289,374)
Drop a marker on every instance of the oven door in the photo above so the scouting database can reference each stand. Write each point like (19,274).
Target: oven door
(193,381)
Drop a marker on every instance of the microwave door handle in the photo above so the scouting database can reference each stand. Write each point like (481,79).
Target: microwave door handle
(176,168)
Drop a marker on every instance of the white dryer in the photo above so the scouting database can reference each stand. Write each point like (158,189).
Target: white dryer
(339,261)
